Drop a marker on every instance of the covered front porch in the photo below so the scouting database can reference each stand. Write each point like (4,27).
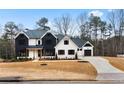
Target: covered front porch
(35,52)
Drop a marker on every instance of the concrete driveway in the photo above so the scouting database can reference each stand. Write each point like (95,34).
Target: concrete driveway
(104,69)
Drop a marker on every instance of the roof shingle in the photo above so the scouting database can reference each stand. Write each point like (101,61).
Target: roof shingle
(79,42)
(38,33)
(35,34)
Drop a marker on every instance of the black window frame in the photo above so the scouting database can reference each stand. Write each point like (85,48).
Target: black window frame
(61,52)
(66,42)
(71,53)
(39,42)
(80,49)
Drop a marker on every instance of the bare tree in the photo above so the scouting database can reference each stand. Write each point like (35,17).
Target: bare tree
(116,18)
(58,25)
(82,18)
(84,26)
(64,24)
(120,14)
(113,21)
(66,20)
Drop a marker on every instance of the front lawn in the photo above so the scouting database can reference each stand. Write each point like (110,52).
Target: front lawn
(117,62)
(47,70)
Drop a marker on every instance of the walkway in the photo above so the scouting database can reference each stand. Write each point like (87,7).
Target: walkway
(104,69)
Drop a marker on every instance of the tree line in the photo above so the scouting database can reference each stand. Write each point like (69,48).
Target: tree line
(105,35)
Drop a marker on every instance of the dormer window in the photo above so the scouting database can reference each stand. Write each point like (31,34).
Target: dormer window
(38,42)
(66,42)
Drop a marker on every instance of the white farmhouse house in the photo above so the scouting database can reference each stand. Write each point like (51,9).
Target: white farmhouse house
(71,48)
(66,48)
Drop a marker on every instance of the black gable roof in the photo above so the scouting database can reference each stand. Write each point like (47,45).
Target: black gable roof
(37,33)
(79,42)
(59,36)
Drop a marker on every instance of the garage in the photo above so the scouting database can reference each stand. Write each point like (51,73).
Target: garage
(87,52)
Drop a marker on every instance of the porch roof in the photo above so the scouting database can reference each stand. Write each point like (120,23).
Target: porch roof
(34,47)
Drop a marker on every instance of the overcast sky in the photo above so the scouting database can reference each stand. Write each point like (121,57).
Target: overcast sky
(28,17)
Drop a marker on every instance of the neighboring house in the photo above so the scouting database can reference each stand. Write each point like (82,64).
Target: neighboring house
(41,43)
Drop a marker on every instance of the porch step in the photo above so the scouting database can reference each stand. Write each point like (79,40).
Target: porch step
(36,60)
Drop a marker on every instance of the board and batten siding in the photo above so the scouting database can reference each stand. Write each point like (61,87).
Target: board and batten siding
(80,52)
(70,46)
(19,47)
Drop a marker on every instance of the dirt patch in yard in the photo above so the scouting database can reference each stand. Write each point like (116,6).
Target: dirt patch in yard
(117,62)
(48,70)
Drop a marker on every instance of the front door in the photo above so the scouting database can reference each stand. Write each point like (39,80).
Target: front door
(39,53)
